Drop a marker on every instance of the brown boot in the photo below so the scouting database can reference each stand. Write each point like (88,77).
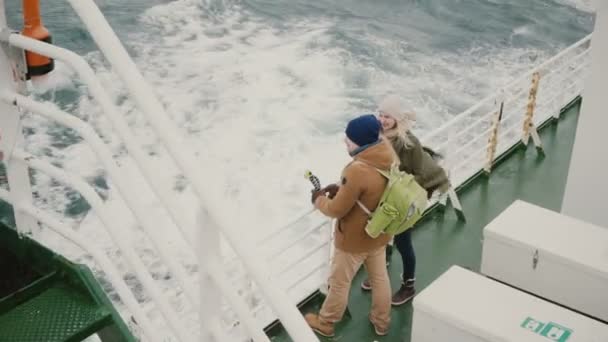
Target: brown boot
(366,285)
(378,331)
(323,329)
(405,293)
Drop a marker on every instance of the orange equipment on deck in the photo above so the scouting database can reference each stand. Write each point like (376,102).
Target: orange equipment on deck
(37,65)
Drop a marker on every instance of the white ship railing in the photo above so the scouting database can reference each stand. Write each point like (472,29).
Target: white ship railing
(464,140)
(215,284)
(289,263)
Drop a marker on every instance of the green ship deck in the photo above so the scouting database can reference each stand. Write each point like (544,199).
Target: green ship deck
(440,240)
(45,297)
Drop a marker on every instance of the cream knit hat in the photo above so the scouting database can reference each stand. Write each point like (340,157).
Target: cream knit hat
(393,106)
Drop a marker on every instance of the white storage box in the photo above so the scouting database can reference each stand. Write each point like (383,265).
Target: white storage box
(463,306)
(556,257)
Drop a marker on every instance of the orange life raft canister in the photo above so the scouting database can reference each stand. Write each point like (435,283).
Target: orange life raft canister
(37,65)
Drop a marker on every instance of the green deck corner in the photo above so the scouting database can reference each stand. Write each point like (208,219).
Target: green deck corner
(45,297)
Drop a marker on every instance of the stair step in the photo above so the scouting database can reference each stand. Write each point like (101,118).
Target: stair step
(59,313)
(14,273)
(27,292)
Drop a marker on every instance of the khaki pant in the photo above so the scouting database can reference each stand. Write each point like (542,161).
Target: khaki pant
(344,266)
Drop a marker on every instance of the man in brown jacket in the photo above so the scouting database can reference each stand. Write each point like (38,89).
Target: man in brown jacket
(361,182)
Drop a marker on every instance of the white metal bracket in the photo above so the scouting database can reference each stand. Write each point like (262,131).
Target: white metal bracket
(17,60)
(453,197)
(12,64)
(450,194)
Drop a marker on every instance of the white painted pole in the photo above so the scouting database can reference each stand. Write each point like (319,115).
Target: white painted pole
(238,304)
(112,227)
(201,178)
(11,135)
(587,185)
(78,64)
(209,253)
(214,286)
(2,14)
(83,69)
(122,184)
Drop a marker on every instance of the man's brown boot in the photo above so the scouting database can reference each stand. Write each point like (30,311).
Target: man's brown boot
(323,329)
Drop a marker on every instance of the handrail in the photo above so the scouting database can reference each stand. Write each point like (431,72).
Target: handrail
(514,95)
(485,100)
(497,93)
(238,305)
(105,156)
(87,74)
(117,281)
(300,238)
(295,321)
(485,117)
(274,254)
(83,69)
(96,203)
(93,199)
(313,271)
(278,231)
(208,192)
(273,233)
(304,257)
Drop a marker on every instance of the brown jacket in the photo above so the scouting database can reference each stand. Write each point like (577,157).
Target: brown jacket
(360,181)
(415,161)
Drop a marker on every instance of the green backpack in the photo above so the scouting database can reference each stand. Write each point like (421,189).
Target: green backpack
(401,205)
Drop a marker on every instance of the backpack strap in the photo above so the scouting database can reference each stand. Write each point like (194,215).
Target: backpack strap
(364,208)
(383,173)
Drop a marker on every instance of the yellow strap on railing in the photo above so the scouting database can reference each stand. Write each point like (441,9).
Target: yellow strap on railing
(529,129)
(493,139)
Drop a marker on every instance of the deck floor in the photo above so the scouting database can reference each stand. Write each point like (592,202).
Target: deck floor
(441,240)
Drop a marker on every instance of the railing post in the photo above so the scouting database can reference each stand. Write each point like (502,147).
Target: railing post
(493,139)
(560,99)
(12,77)
(450,193)
(529,129)
(324,288)
(209,254)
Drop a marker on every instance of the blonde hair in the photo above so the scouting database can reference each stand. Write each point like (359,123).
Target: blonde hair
(400,132)
(393,106)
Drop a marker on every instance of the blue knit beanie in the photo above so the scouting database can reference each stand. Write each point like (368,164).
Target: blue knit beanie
(363,130)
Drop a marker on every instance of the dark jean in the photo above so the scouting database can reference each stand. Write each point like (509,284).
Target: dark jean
(404,245)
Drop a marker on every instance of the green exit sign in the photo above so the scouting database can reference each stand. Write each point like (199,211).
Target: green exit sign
(552,331)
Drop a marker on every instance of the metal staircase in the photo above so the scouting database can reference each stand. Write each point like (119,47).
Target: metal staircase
(44,297)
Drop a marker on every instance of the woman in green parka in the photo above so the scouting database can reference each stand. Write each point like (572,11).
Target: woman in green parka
(418,161)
